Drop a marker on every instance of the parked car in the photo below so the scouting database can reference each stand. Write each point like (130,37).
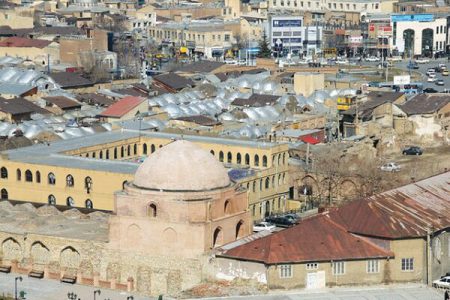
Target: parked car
(412,150)
(342,62)
(431,71)
(280,221)
(412,65)
(445,72)
(263,226)
(293,217)
(443,282)
(431,79)
(422,60)
(430,90)
(372,58)
(390,167)
(440,82)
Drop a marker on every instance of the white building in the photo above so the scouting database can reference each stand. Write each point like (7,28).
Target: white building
(419,34)
(370,6)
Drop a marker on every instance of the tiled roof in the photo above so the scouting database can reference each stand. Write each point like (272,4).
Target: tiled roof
(256,100)
(96,99)
(24,43)
(17,106)
(315,239)
(70,80)
(174,81)
(122,107)
(425,104)
(62,102)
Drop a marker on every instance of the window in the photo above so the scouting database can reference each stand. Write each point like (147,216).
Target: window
(339,268)
(135,149)
(144,148)
(221,156)
(38,177)
(107,153)
(312,266)
(213,37)
(4,172)
(51,178)
(19,174)
(254,186)
(285,271)
(115,153)
(69,180)
(151,212)
(70,201)
(247,159)
(264,161)
(238,158)
(229,157)
(88,184)
(373,266)
(51,200)
(407,264)
(88,204)
(227,38)
(4,194)
(267,185)
(256,160)
(28,176)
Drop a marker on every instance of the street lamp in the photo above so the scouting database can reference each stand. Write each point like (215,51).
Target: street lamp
(72,296)
(97,292)
(15,286)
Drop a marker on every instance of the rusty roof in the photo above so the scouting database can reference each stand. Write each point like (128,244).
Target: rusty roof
(316,239)
(122,107)
(405,212)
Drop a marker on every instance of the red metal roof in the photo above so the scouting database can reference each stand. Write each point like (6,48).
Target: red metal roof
(315,239)
(405,212)
(309,139)
(24,42)
(122,107)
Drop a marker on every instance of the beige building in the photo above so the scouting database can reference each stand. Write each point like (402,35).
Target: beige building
(72,48)
(80,172)
(308,83)
(17,18)
(38,51)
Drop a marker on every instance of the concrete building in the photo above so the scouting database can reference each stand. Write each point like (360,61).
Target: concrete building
(419,34)
(370,6)
(38,51)
(308,83)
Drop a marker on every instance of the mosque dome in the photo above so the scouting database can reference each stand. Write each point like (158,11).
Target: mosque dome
(181,166)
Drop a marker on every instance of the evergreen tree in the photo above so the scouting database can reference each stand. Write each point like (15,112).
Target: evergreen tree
(264,50)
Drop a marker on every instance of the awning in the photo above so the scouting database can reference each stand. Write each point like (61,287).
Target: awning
(309,139)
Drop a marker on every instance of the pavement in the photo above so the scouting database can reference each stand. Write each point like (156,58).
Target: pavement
(391,292)
(44,289)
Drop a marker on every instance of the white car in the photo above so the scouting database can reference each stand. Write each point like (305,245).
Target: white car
(263,226)
(422,60)
(432,75)
(342,62)
(231,62)
(431,79)
(390,167)
(372,58)
(444,282)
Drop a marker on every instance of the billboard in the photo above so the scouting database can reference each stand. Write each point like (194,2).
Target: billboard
(402,79)
(413,18)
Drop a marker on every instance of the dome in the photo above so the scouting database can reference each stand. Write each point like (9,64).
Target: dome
(181,166)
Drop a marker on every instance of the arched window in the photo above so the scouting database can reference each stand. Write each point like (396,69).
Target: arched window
(229,157)
(264,161)
(238,158)
(217,237)
(273,181)
(38,177)
(284,177)
(28,176)
(115,153)
(256,160)
(254,186)
(51,178)
(212,152)
(221,156)
(94,154)
(284,158)
(19,174)
(279,159)
(128,150)
(152,210)
(51,200)
(267,185)
(260,184)
(88,204)
(152,148)
(70,202)
(135,149)
(87,154)
(69,180)
(124,184)
(279,179)
(4,172)
(107,154)
(226,207)
(239,229)
(122,153)
(160,146)
(247,159)
(88,184)
(4,194)
(101,154)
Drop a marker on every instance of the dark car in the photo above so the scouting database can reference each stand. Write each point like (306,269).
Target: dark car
(430,90)
(413,150)
(281,221)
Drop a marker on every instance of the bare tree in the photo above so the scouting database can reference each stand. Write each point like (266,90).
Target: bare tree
(93,65)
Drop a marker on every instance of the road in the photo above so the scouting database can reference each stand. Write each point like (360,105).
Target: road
(404,292)
(44,289)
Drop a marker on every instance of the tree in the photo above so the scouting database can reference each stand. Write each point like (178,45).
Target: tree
(264,50)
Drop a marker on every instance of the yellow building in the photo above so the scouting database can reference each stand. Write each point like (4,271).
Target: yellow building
(81,172)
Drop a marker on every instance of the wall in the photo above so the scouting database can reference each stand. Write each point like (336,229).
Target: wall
(229,269)
(408,248)
(71,48)
(38,55)
(15,20)
(307,83)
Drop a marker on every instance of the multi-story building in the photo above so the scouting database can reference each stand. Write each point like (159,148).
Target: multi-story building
(370,6)
(85,172)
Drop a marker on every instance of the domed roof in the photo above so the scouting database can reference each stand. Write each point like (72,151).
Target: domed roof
(181,166)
